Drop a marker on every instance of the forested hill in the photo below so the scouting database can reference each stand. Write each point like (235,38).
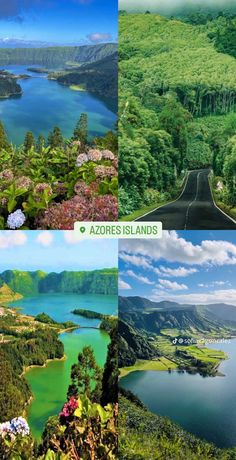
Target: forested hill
(81,282)
(181,58)
(56,56)
(177,89)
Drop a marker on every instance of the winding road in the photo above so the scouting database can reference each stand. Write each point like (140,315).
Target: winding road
(194,209)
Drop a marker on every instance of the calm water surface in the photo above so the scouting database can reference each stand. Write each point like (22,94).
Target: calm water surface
(45,104)
(203,406)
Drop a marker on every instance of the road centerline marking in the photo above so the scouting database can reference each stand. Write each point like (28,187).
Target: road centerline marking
(190,204)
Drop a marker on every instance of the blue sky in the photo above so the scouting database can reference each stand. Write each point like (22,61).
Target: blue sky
(196,267)
(54,251)
(58,21)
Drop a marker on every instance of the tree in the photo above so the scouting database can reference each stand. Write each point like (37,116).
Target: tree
(86,376)
(29,141)
(41,143)
(81,130)
(111,372)
(4,144)
(55,138)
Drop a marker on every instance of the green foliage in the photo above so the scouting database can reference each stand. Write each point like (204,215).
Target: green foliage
(81,130)
(90,433)
(110,374)
(37,178)
(160,134)
(86,376)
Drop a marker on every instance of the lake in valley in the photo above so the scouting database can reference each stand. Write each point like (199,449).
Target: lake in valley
(46,103)
(50,384)
(205,406)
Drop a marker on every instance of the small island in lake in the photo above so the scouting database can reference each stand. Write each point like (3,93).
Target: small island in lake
(9,86)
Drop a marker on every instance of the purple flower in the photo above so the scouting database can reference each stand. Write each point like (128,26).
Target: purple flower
(16,219)
(69,408)
(20,426)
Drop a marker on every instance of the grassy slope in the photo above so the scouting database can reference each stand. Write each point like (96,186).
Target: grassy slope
(145,436)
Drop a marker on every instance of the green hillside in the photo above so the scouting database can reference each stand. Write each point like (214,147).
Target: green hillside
(56,56)
(143,435)
(172,74)
(93,282)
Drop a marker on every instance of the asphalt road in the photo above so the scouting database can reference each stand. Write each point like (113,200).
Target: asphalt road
(194,209)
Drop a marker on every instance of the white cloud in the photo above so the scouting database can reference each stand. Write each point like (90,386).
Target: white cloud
(227,296)
(99,37)
(10,239)
(180,272)
(173,248)
(135,260)
(45,238)
(142,279)
(124,285)
(172,285)
(214,283)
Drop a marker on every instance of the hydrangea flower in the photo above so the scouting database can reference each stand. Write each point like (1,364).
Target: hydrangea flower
(94,155)
(5,427)
(105,171)
(17,425)
(23,182)
(20,426)
(107,155)
(16,219)
(39,188)
(81,159)
(7,175)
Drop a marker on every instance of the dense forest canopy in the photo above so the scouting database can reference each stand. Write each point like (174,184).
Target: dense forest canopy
(176,75)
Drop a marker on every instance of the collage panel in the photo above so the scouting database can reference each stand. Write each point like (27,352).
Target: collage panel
(58,113)
(177,346)
(177,99)
(58,347)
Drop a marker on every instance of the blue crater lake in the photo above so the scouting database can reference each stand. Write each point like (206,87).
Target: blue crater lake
(45,104)
(205,406)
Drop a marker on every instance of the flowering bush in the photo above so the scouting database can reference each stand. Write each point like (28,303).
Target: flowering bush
(84,430)
(54,187)
(15,440)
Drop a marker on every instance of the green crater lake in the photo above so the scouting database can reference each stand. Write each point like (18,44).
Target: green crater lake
(50,384)
(45,104)
(205,406)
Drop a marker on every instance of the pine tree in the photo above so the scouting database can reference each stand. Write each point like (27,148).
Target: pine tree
(83,376)
(29,141)
(4,144)
(41,143)
(81,130)
(55,138)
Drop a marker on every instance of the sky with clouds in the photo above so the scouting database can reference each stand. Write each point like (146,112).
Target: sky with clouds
(195,267)
(57,22)
(54,251)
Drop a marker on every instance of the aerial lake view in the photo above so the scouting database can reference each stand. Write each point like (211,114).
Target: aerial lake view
(205,406)
(53,380)
(46,103)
